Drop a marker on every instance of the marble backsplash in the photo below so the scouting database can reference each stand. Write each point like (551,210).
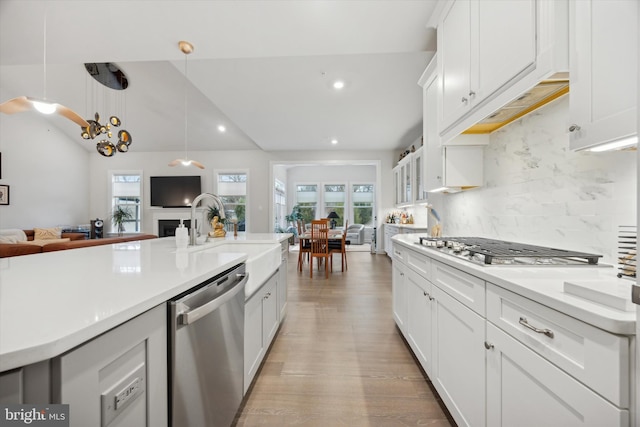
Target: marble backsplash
(538,191)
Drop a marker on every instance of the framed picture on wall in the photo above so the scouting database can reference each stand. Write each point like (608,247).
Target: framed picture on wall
(4,194)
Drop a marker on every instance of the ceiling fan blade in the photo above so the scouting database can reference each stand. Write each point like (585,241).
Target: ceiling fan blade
(197,164)
(16,105)
(176,162)
(23,103)
(71,115)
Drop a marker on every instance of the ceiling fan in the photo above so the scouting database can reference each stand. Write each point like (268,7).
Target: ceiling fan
(186,48)
(27,103)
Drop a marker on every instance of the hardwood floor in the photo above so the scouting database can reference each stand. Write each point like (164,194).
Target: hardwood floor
(338,359)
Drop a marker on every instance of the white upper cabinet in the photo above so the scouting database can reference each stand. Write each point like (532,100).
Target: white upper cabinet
(420,193)
(492,51)
(454,51)
(603,69)
(403,181)
(459,163)
(484,45)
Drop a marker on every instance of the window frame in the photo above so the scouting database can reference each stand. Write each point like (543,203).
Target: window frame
(139,220)
(353,208)
(235,171)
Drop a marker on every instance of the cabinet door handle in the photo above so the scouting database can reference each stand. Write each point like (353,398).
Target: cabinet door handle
(488,346)
(548,332)
(464,100)
(472,94)
(425,293)
(574,128)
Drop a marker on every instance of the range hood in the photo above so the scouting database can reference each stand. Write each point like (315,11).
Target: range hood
(539,95)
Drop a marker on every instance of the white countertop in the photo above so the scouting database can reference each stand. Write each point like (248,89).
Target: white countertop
(52,302)
(408,226)
(545,285)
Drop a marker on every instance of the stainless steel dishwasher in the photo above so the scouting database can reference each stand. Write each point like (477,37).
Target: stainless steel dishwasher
(206,336)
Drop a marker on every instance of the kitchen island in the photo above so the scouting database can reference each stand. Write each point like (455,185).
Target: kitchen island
(54,303)
(507,345)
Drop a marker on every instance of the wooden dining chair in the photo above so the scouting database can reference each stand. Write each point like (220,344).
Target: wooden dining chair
(319,246)
(340,246)
(305,246)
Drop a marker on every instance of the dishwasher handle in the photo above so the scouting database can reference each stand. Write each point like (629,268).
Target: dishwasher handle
(193,315)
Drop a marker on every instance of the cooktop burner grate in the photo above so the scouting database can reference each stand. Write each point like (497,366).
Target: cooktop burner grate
(500,249)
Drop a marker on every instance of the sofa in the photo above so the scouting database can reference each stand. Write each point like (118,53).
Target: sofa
(64,242)
(355,234)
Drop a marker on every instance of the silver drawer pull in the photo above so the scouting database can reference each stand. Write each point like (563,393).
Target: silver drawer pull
(547,332)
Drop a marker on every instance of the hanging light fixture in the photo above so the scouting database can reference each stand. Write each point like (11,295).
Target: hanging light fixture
(186,48)
(110,76)
(44,106)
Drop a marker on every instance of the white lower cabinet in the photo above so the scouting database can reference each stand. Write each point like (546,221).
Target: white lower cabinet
(127,364)
(399,295)
(261,322)
(282,287)
(419,330)
(524,389)
(458,371)
(499,359)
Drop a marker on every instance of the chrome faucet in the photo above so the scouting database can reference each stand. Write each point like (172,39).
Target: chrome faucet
(217,201)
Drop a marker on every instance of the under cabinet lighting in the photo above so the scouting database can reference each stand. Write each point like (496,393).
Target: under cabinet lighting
(616,145)
(221,128)
(334,141)
(338,84)
(438,190)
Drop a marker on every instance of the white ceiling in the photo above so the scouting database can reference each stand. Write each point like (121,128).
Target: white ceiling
(264,69)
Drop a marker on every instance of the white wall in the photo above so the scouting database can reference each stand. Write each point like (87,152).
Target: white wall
(538,191)
(258,163)
(45,170)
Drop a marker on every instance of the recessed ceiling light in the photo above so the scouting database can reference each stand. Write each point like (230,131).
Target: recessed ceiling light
(338,84)
(334,141)
(221,128)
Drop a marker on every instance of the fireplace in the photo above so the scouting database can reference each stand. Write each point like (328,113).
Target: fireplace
(167,227)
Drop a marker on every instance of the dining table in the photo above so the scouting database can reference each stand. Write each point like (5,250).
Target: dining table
(335,235)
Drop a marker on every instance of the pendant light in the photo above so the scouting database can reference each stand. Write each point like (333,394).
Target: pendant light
(186,48)
(27,103)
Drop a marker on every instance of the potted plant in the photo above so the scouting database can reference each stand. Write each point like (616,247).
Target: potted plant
(213,212)
(119,216)
(293,218)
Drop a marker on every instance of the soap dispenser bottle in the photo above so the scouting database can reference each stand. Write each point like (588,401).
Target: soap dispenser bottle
(182,236)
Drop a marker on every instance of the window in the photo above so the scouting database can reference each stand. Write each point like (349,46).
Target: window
(362,199)
(307,199)
(334,200)
(232,189)
(126,190)
(280,203)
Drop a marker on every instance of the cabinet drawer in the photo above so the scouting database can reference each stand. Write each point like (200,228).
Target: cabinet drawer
(419,263)
(526,390)
(595,357)
(467,289)
(399,253)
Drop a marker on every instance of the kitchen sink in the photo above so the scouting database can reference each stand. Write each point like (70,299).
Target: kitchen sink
(263,259)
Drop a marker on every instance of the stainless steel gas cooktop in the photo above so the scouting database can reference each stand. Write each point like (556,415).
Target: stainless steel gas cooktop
(488,252)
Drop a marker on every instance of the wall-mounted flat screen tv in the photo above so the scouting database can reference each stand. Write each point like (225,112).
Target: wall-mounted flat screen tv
(174,191)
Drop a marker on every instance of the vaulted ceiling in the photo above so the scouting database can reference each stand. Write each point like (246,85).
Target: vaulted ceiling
(263,69)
